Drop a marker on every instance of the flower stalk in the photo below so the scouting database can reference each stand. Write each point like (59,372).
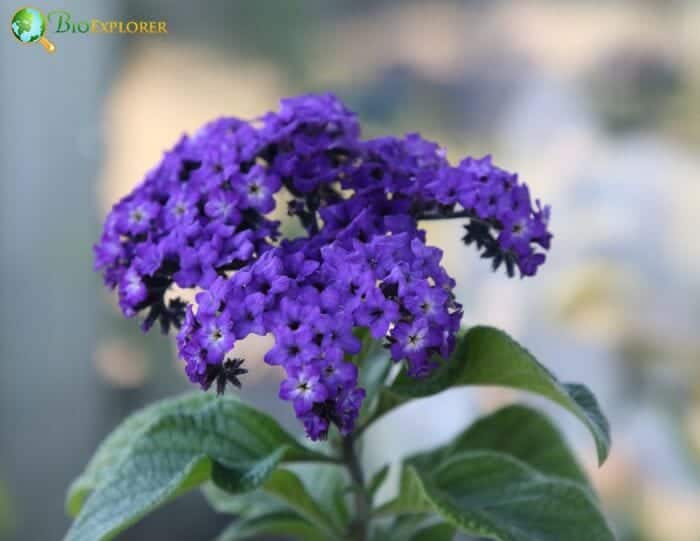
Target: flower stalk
(359,527)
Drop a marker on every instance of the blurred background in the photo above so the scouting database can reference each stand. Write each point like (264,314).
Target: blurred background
(595,104)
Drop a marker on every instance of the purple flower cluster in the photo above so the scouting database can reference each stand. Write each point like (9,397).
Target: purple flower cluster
(199,220)
(199,213)
(503,220)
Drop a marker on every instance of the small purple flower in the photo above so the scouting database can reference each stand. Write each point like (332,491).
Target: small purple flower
(448,186)
(415,342)
(348,408)
(211,301)
(303,387)
(223,205)
(268,277)
(181,208)
(132,292)
(292,348)
(316,426)
(298,267)
(148,258)
(196,267)
(248,315)
(139,216)
(356,285)
(257,188)
(339,375)
(335,336)
(216,336)
(108,251)
(295,316)
(377,313)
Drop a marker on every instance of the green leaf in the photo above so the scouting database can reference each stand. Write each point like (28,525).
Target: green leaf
(415,528)
(325,484)
(246,504)
(377,480)
(488,356)
(436,532)
(288,488)
(175,447)
(493,495)
(113,448)
(374,365)
(520,432)
(281,523)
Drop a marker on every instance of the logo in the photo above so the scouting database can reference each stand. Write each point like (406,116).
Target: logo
(29,25)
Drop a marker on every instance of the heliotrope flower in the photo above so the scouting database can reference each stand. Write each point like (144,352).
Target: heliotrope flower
(303,387)
(200,220)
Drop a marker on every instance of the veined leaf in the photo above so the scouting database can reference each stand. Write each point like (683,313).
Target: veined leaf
(415,528)
(245,504)
(377,480)
(488,356)
(436,532)
(112,449)
(178,449)
(520,432)
(287,487)
(321,492)
(493,495)
(281,523)
(327,484)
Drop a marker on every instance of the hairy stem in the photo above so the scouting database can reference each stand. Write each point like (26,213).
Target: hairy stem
(359,527)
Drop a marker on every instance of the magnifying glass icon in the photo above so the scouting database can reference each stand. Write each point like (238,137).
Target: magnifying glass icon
(29,26)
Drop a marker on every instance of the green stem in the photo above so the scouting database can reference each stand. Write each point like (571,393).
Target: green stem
(359,527)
